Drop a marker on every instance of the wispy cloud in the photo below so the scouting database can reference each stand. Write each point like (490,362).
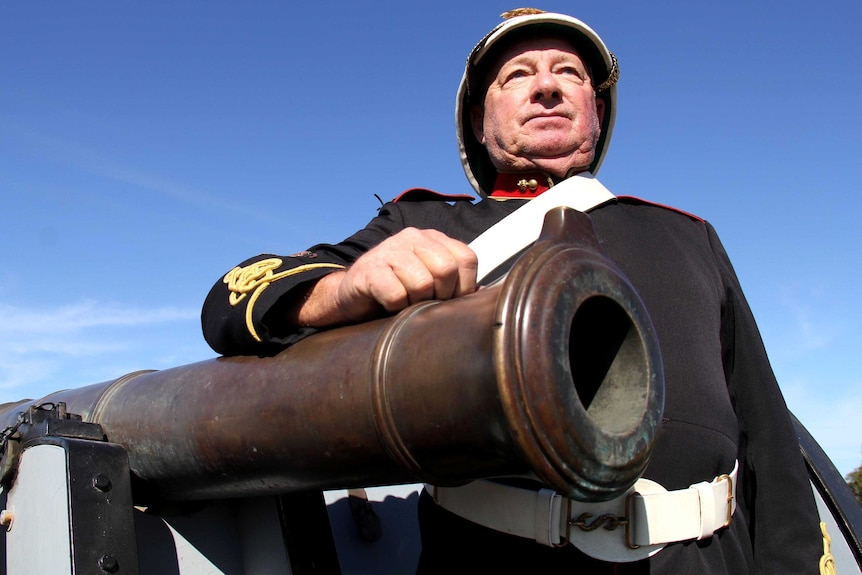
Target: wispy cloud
(99,163)
(83,315)
(803,323)
(813,326)
(55,348)
(808,341)
(831,415)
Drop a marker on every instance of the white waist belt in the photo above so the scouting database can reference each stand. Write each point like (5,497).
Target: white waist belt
(630,527)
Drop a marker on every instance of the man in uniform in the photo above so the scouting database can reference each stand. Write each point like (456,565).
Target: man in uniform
(535,109)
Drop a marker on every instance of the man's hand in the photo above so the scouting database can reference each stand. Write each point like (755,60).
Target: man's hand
(411,266)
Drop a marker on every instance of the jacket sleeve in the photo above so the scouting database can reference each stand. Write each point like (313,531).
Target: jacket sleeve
(242,312)
(776,491)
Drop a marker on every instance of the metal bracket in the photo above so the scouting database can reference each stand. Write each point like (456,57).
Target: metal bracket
(69,508)
(45,419)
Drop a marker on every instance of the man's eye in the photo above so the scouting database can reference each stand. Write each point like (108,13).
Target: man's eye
(516,74)
(573,73)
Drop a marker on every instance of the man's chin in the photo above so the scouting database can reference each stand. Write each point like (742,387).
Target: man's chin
(551,160)
(550,147)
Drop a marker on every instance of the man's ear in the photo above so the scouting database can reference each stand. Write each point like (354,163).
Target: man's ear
(600,110)
(477,122)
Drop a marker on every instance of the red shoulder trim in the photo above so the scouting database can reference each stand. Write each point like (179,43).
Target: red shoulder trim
(424,194)
(634,199)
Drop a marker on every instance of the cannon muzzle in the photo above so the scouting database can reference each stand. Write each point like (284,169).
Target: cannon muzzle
(552,372)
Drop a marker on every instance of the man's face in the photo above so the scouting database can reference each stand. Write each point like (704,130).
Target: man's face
(540,109)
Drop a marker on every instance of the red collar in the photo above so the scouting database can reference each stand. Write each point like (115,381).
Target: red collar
(521,185)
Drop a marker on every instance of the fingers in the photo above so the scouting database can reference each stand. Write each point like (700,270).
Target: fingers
(452,266)
(411,266)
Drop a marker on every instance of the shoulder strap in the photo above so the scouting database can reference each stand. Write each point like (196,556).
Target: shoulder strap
(522,227)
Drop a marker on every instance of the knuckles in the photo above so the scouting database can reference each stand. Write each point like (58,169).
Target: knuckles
(411,266)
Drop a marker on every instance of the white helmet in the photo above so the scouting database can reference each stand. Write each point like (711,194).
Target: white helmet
(518,24)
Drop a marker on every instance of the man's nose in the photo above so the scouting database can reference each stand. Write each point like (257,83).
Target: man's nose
(545,86)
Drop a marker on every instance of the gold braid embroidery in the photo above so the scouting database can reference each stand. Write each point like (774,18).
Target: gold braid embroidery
(256,277)
(827,562)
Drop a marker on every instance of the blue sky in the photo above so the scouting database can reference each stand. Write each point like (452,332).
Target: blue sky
(146,148)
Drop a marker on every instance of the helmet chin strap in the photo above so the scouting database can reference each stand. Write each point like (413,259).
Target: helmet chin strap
(573,171)
(576,170)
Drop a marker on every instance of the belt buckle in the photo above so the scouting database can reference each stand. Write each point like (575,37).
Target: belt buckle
(609,521)
(597,523)
(729,480)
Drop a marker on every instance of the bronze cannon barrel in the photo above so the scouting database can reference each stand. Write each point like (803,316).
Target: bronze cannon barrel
(553,371)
